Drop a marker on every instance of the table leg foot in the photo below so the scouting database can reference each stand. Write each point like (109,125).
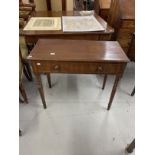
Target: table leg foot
(113,92)
(45,107)
(133,92)
(131,147)
(20,132)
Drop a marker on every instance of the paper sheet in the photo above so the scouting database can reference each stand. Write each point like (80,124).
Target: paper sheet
(81,23)
(44,23)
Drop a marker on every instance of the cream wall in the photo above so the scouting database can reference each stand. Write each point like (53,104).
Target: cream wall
(105,3)
(70,5)
(56,5)
(40,5)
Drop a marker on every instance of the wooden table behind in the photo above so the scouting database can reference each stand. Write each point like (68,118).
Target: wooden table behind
(32,36)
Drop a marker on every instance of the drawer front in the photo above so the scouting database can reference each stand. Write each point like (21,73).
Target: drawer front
(128,24)
(77,67)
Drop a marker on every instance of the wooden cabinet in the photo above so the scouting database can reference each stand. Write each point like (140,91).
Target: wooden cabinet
(120,14)
(127,24)
(125,32)
(104,8)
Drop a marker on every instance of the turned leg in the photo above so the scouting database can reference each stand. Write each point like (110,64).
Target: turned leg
(26,74)
(40,88)
(23,93)
(133,92)
(49,80)
(28,70)
(113,92)
(131,147)
(104,81)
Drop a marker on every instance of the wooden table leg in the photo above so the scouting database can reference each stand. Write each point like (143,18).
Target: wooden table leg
(133,92)
(49,80)
(23,93)
(104,81)
(26,74)
(40,88)
(131,147)
(48,4)
(28,70)
(113,92)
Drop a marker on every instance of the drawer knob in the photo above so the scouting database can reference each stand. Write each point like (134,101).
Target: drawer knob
(38,64)
(100,68)
(52,53)
(56,67)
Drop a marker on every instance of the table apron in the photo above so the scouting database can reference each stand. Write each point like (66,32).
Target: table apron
(34,38)
(78,67)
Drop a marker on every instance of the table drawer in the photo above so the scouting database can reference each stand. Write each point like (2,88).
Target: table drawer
(128,24)
(77,67)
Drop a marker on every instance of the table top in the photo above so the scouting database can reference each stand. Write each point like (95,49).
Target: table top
(108,29)
(78,50)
